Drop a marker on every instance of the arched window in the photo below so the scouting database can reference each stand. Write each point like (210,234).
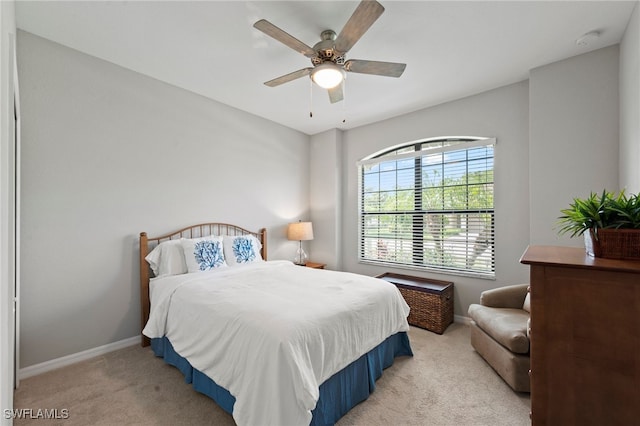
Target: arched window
(429,205)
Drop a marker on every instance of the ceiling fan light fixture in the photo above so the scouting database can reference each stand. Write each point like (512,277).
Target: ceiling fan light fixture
(327,75)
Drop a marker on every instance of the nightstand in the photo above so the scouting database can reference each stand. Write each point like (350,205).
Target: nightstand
(315,265)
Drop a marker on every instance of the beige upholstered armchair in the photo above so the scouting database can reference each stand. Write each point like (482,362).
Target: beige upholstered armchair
(499,333)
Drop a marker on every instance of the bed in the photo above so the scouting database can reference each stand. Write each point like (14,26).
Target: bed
(271,342)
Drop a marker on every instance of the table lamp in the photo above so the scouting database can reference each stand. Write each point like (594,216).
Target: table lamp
(300,231)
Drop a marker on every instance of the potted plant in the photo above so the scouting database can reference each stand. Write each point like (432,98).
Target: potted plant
(610,223)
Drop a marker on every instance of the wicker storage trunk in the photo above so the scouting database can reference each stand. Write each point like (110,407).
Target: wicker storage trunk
(431,301)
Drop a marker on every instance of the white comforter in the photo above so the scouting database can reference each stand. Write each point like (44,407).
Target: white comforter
(272,332)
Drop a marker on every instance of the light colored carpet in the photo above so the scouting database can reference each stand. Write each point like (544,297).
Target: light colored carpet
(445,383)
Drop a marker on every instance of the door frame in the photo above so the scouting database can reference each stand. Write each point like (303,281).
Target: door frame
(16,218)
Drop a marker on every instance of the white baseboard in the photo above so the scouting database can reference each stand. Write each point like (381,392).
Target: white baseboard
(43,367)
(34,370)
(462,319)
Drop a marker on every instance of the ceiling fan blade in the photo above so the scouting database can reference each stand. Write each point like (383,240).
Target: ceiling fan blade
(285,38)
(288,77)
(363,17)
(336,94)
(387,69)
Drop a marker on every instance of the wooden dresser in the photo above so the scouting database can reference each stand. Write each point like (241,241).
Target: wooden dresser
(585,338)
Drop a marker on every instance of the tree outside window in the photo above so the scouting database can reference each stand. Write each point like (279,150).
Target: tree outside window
(430,205)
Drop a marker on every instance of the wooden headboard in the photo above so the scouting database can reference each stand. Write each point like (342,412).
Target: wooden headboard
(195,231)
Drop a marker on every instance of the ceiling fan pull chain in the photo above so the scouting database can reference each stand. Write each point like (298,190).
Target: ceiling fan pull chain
(310,98)
(344,101)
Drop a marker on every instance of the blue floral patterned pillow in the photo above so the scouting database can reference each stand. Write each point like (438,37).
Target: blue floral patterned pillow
(203,254)
(241,249)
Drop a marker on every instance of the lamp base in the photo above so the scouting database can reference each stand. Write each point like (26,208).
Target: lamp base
(301,257)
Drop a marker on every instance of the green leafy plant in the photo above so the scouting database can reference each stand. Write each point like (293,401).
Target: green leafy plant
(609,210)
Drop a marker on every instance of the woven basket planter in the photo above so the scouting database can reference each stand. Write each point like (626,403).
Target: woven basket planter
(613,243)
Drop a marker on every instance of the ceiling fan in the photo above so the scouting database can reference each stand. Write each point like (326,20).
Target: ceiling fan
(328,55)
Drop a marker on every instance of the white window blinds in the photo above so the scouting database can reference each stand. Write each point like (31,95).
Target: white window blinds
(430,205)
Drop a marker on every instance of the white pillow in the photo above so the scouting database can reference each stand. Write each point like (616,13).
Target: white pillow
(241,249)
(203,254)
(167,258)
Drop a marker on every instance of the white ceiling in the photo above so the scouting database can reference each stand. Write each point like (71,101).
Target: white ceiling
(452,48)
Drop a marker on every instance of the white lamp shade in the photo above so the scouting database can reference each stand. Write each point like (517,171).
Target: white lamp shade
(327,75)
(300,231)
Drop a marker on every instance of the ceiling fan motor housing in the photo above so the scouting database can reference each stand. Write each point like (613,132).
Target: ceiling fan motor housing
(326,51)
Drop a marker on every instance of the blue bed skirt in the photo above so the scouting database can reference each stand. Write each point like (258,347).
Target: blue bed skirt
(341,392)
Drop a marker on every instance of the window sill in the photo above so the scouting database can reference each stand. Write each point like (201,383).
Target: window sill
(490,277)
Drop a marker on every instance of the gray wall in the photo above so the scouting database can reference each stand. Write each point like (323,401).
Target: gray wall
(325,197)
(630,105)
(108,153)
(574,136)
(500,113)
(557,138)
